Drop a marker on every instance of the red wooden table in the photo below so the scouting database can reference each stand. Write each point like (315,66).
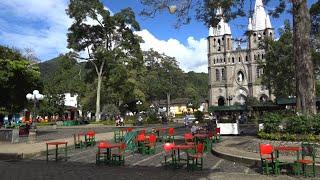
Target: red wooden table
(57,147)
(181,147)
(287,149)
(108,146)
(201,136)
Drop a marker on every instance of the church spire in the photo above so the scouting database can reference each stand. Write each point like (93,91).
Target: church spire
(222,28)
(260,19)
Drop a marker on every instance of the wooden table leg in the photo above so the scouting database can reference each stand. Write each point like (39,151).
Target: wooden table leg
(66,152)
(47,153)
(57,152)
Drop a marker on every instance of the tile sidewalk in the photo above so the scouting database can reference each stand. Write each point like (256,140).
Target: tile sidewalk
(26,150)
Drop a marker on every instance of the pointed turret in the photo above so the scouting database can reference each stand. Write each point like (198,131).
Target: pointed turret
(260,19)
(222,28)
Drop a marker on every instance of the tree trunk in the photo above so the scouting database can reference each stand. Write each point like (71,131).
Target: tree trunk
(168,104)
(305,84)
(98,98)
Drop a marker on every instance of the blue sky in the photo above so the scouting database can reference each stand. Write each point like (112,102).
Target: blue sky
(42,26)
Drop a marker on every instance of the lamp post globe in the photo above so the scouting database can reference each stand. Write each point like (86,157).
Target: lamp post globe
(29,96)
(172,9)
(35,97)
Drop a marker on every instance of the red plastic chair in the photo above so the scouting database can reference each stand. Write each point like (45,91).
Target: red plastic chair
(119,157)
(151,145)
(140,142)
(129,129)
(170,135)
(169,153)
(90,139)
(195,157)
(267,159)
(101,155)
(188,138)
(217,137)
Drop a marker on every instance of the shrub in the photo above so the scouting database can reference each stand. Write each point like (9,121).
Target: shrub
(310,138)
(288,137)
(272,122)
(298,124)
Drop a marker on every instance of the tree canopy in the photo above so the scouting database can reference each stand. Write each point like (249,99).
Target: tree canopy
(18,77)
(107,39)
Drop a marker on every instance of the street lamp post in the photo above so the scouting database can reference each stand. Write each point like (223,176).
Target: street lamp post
(229,98)
(138,103)
(35,97)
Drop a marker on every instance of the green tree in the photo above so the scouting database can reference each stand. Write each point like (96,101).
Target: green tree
(105,38)
(205,11)
(66,77)
(18,76)
(165,79)
(278,67)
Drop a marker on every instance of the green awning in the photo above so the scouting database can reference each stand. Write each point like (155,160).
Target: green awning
(290,101)
(227,108)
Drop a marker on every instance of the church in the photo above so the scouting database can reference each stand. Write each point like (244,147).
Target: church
(234,72)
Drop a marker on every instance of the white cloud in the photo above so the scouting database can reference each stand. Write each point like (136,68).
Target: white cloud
(191,57)
(41,25)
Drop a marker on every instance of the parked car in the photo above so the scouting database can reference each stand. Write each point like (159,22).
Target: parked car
(188,120)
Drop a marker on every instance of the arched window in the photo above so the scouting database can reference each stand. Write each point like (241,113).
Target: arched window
(217,75)
(239,58)
(240,76)
(223,74)
(258,56)
(258,72)
(214,61)
(232,59)
(224,60)
(262,56)
(246,58)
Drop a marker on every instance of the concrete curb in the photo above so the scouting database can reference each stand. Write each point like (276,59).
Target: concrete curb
(246,160)
(10,156)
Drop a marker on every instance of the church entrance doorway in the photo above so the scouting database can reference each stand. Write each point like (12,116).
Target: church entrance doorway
(221,101)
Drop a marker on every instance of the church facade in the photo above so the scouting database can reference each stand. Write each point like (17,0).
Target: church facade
(234,73)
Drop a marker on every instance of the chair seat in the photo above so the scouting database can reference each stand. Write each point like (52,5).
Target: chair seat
(190,143)
(118,154)
(150,145)
(305,161)
(198,155)
(268,159)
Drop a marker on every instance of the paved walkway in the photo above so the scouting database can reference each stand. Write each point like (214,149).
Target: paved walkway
(28,150)
(246,149)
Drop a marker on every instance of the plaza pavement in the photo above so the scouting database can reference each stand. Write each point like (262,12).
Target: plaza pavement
(233,148)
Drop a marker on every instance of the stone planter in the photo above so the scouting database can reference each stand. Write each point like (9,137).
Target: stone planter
(9,135)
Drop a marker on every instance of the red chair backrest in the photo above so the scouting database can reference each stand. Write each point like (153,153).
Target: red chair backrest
(217,130)
(91,133)
(129,129)
(210,134)
(102,145)
(123,146)
(188,136)
(266,149)
(143,131)
(200,148)
(141,137)
(168,146)
(152,138)
(171,131)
